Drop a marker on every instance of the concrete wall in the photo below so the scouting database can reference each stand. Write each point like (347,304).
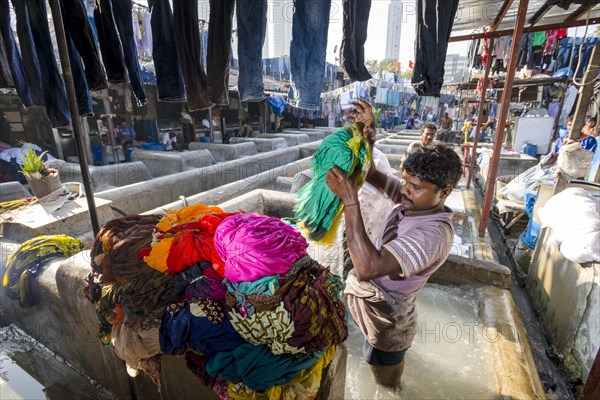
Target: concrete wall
(162,163)
(508,165)
(292,139)
(312,134)
(397,142)
(392,148)
(103,177)
(144,196)
(262,145)
(567,297)
(13,191)
(226,152)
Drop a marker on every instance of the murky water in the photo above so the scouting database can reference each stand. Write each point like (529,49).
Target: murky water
(15,382)
(449,357)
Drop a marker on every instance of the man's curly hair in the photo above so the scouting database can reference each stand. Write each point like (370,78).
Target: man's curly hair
(437,164)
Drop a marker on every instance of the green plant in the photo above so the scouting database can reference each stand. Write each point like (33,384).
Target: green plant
(32,163)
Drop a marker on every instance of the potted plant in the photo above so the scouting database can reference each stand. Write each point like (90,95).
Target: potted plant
(42,180)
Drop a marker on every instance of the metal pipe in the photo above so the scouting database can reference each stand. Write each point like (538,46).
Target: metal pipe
(488,66)
(504,106)
(65,64)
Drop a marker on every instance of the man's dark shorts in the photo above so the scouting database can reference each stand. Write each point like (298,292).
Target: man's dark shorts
(378,357)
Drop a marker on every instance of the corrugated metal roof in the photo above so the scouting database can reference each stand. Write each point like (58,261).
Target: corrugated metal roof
(474,14)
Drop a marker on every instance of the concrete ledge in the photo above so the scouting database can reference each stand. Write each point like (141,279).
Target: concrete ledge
(262,145)
(134,199)
(103,177)
(312,134)
(13,191)
(391,149)
(161,163)
(226,152)
(292,139)
(309,149)
(460,270)
(397,142)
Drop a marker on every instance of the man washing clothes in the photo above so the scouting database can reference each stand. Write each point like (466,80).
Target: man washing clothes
(415,241)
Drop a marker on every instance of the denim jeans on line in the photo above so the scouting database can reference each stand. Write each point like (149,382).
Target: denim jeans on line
(434,24)
(82,90)
(219,50)
(252,27)
(55,94)
(308,51)
(78,27)
(13,57)
(122,13)
(169,79)
(352,52)
(31,66)
(189,49)
(110,44)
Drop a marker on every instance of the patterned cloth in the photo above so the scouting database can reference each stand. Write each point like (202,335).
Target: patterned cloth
(115,250)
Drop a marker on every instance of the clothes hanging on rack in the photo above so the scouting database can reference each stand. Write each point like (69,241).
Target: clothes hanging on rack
(308,51)
(252,25)
(219,50)
(169,79)
(352,51)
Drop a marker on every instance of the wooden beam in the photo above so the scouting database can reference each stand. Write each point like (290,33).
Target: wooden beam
(540,12)
(504,106)
(582,10)
(488,66)
(585,92)
(529,29)
(501,14)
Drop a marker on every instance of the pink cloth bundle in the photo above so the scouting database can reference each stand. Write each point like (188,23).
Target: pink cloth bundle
(254,246)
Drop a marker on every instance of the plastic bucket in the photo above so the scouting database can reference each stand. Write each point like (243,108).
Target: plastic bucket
(530,149)
(204,139)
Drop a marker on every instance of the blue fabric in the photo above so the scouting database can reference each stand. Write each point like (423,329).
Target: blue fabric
(589,143)
(252,27)
(169,78)
(410,123)
(13,56)
(55,93)
(183,330)
(307,52)
(278,104)
(257,367)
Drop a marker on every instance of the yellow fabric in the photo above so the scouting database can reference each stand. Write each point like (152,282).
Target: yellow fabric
(184,215)
(304,386)
(157,258)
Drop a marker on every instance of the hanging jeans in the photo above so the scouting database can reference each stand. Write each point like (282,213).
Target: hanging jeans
(189,49)
(219,50)
(252,26)
(110,44)
(352,52)
(169,80)
(119,54)
(31,66)
(308,52)
(79,29)
(434,24)
(55,94)
(13,58)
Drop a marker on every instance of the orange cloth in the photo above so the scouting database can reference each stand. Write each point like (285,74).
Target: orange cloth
(187,214)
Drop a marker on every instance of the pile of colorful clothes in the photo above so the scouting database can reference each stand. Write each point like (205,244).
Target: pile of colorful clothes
(235,293)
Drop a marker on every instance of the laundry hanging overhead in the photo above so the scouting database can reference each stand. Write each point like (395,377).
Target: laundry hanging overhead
(251,23)
(434,25)
(220,26)
(352,52)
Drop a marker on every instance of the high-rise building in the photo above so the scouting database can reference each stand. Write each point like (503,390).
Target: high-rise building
(394,29)
(453,67)
(279,28)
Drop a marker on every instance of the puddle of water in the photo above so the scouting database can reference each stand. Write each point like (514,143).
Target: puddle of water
(16,383)
(449,357)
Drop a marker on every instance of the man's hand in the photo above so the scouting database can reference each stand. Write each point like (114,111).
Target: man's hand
(341,186)
(363,117)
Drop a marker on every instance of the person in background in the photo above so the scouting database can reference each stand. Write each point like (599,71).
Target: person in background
(415,241)
(411,122)
(246,130)
(427,135)
(169,140)
(445,127)
(587,142)
(491,125)
(125,135)
(590,128)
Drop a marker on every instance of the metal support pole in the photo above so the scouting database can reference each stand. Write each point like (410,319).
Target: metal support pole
(504,106)
(488,66)
(68,77)
(586,90)
(211,129)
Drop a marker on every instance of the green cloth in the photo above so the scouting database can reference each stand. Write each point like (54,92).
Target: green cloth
(316,205)
(539,38)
